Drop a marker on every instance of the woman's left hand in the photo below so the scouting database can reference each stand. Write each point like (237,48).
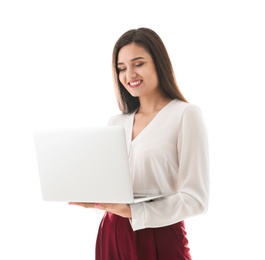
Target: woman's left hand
(122,210)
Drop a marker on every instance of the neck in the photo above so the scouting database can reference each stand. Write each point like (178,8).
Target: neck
(152,105)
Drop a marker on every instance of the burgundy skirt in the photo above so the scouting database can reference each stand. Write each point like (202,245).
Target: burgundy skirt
(117,241)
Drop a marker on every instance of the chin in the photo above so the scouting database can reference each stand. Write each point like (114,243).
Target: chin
(134,94)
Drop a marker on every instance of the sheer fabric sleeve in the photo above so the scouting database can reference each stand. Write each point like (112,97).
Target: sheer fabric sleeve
(192,189)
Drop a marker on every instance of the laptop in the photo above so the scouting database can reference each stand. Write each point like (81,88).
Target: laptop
(85,164)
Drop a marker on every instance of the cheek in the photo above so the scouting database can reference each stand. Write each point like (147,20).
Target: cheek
(154,80)
(121,78)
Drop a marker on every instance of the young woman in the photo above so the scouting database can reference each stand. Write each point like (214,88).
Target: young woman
(168,154)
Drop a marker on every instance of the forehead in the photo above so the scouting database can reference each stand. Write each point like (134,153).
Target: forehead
(131,51)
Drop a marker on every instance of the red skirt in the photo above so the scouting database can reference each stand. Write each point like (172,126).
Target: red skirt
(117,241)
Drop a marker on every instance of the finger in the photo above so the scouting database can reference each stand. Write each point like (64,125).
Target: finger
(100,205)
(83,204)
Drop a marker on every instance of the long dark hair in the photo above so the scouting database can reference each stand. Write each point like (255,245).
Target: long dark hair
(152,43)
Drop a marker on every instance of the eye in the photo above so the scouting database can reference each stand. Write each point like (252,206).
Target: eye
(139,64)
(120,69)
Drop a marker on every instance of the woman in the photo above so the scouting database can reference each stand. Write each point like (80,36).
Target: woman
(168,154)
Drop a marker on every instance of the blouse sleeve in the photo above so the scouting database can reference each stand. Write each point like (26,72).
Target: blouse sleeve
(192,193)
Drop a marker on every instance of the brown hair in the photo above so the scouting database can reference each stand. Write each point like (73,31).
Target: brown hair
(152,43)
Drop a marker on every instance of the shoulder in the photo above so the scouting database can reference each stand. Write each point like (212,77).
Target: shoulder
(184,108)
(119,119)
(190,116)
(181,105)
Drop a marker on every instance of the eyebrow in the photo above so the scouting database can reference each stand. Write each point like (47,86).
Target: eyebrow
(134,59)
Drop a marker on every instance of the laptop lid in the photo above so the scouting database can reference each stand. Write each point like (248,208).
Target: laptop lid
(88,164)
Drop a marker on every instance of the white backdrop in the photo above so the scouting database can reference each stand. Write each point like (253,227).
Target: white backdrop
(55,70)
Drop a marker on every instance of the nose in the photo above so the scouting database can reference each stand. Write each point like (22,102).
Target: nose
(131,73)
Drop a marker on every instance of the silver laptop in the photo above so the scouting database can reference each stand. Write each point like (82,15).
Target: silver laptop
(86,164)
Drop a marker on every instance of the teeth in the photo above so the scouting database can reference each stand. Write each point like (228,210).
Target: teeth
(135,83)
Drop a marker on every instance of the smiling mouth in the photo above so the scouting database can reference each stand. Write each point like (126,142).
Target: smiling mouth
(135,84)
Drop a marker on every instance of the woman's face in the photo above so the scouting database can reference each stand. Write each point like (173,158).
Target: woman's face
(137,71)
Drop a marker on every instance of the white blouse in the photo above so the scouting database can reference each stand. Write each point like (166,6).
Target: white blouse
(170,157)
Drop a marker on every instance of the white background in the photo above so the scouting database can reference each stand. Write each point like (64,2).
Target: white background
(55,70)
